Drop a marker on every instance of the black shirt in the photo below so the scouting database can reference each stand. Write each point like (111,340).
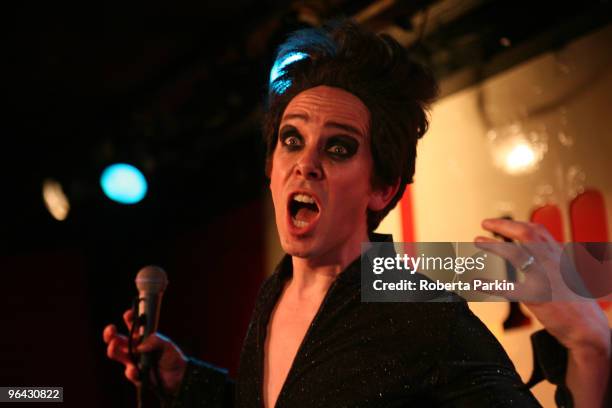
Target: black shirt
(358,354)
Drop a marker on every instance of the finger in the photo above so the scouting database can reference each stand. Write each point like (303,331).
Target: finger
(118,350)
(109,332)
(513,253)
(534,238)
(131,373)
(128,318)
(516,230)
(480,238)
(544,233)
(152,343)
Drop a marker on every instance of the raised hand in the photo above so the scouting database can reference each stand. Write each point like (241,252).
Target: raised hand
(576,322)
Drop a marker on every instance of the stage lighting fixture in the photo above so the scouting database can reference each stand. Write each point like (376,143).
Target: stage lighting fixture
(55,199)
(516,150)
(123,183)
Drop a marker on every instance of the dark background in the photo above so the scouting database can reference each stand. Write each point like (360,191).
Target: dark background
(177,90)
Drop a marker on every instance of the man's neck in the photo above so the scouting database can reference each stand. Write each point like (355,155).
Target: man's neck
(312,277)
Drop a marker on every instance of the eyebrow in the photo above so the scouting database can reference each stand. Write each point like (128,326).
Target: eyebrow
(345,127)
(342,126)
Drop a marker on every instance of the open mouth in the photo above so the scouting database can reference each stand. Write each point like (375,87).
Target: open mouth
(303,210)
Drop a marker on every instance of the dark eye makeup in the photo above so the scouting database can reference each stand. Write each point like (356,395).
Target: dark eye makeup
(342,147)
(339,147)
(290,138)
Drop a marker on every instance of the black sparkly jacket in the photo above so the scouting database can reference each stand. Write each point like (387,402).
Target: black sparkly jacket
(358,354)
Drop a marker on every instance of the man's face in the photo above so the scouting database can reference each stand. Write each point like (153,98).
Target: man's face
(321,171)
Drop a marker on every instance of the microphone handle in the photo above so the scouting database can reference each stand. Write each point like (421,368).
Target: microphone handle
(149,310)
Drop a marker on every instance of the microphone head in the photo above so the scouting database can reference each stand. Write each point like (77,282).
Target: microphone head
(152,280)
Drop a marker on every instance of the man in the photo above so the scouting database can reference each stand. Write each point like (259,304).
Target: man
(345,111)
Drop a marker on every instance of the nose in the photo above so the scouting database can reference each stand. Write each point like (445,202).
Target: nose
(309,165)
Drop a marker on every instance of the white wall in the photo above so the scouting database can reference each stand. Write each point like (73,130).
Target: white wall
(566,97)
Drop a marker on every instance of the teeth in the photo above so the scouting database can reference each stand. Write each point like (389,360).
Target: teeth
(303,198)
(298,223)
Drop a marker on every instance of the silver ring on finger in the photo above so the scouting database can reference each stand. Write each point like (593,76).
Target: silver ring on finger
(527,264)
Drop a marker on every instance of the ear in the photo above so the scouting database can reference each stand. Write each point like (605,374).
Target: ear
(382,196)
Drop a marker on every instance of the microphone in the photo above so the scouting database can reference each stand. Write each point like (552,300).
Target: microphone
(151,282)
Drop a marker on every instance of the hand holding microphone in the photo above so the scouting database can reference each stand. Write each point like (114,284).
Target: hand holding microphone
(151,281)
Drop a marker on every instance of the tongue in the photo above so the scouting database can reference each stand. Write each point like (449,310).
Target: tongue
(305,214)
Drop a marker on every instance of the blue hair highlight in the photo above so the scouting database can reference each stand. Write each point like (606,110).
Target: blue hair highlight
(278,70)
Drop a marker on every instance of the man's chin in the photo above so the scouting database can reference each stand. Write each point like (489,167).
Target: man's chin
(298,249)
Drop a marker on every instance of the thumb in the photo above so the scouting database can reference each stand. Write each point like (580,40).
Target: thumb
(151,343)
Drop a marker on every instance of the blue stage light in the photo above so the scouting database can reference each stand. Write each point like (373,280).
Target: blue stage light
(123,183)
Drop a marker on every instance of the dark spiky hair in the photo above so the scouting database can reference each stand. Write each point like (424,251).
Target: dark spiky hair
(377,69)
